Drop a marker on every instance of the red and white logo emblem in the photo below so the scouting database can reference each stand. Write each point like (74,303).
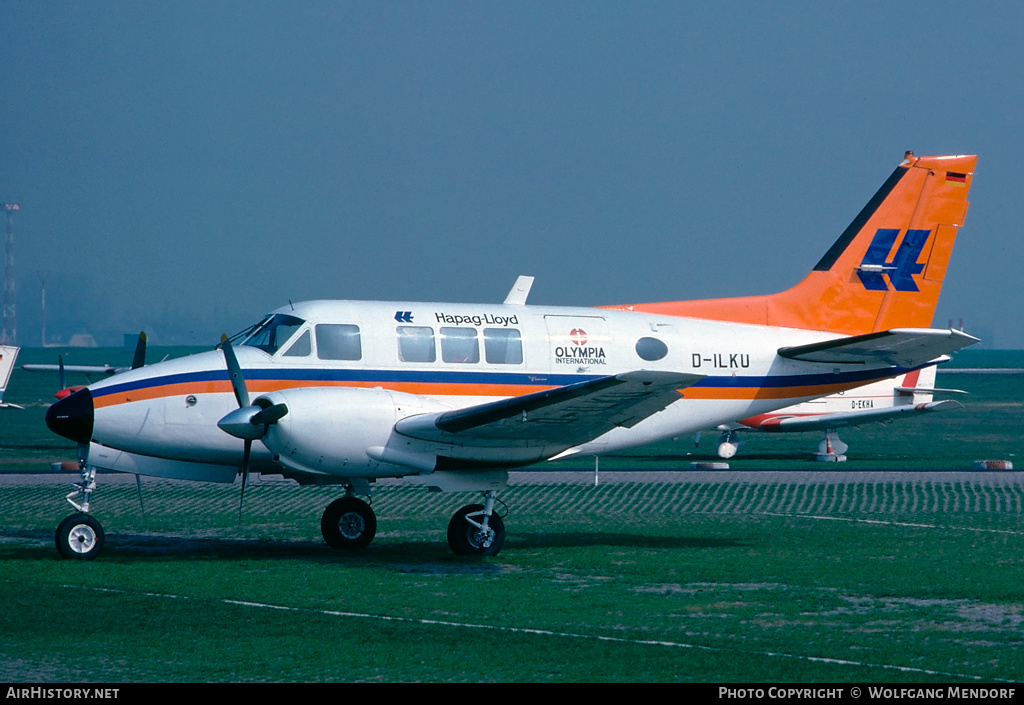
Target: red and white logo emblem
(578,336)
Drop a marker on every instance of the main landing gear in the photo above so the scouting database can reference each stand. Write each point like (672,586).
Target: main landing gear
(348,523)
(475,530)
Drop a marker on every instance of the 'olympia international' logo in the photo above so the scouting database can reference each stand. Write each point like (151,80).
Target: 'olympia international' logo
(901,270)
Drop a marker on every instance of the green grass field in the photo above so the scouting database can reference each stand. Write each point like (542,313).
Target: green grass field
(893,578)
(719,582)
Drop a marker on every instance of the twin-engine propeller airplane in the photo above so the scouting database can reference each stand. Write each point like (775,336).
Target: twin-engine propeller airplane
(909,396)
(452,396)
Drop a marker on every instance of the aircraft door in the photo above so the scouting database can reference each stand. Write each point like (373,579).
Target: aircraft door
(578,344)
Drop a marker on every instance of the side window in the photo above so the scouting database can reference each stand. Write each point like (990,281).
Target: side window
(503,346)
(301,347)
(338,341)
(651,349)
(416,344)
(459,345)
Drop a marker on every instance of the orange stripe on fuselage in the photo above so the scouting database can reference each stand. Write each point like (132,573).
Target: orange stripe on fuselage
(766,392)
(262,387)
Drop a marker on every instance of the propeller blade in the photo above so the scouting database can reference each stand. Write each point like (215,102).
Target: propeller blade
(245,477)
(236,422)
(138,486)
(272,414)
(140,352)
(234,372)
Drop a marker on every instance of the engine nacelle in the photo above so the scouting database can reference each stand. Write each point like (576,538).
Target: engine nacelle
(330,430)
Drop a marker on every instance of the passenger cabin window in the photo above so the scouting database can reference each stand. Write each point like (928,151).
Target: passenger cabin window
(270,334)
(416,344)
(459,345)
(338,341)
(503,346)
(301,347)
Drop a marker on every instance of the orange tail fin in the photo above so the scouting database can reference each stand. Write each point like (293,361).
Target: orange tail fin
(886,269)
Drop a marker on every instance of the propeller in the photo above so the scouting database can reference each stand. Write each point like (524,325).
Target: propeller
(248,422)
(64,391)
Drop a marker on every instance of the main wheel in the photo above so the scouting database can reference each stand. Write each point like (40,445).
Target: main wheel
(348,523)
(80,536)
(468,539)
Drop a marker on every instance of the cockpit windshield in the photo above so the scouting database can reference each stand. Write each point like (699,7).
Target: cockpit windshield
(271,333)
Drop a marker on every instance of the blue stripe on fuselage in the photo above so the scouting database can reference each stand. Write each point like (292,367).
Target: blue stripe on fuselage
(335,376)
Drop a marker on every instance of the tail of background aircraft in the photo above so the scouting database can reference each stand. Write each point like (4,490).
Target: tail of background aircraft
(8,354)
(885,271)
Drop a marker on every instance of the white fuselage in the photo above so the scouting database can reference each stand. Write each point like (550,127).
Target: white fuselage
(427,357)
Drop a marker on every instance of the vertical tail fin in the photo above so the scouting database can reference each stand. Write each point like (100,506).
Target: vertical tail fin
(886,269)
(8,354)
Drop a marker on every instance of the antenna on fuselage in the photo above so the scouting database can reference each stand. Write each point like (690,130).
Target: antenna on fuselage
(520,290)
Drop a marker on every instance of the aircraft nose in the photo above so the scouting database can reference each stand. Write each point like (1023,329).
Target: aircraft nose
(72,417)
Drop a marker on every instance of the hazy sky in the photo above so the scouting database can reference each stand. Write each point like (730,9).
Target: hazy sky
(185,167)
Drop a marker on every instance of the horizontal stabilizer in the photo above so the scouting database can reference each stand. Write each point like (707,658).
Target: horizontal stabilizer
(564,416)
(923,390)
(821,422)
(903,347)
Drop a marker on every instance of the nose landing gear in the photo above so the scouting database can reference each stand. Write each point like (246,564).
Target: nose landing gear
(80,536)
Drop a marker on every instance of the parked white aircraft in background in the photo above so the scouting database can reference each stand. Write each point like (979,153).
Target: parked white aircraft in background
(909,396)
(453,395)
(90,371)
(8,355)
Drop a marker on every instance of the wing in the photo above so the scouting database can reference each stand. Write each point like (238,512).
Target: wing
(138,360)
(84,369)
(822,422)
(905,347)
(563,417)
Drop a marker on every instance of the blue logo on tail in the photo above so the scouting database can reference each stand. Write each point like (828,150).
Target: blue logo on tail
(901,270)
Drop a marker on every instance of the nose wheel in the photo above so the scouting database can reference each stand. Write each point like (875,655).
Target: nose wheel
(80,537)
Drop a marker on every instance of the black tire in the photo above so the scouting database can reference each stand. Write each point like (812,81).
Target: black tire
(348,523)
(466,539)
(80,537)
